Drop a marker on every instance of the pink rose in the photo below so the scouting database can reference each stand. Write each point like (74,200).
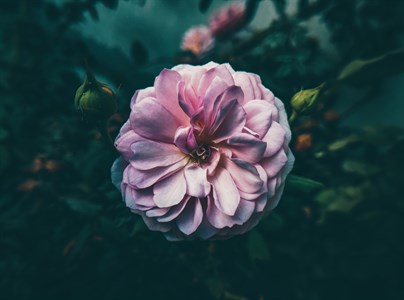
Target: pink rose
(198,40)
(227,19)
(204,153)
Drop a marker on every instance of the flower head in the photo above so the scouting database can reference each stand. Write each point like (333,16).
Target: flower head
(197,40)
(227,19)
(204,153)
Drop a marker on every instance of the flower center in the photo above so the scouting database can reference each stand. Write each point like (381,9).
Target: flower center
(202,153)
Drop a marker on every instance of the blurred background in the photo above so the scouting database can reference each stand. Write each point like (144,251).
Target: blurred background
(66,234)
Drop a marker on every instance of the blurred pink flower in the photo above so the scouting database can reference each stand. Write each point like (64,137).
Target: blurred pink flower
(197,40)
(204,152)
(227,19)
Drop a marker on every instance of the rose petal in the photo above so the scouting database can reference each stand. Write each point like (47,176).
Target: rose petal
(245,175)
(259,116)
(150,154)
(117,172)
(153,121)
(124,141)
(272,165)
(220,220)
(225,192)
(246,147)
(206,81)
(142,179)
(142,94)
(167,93)
(190,218)
(174,211)
(170,191)
(275,139)
(197,183)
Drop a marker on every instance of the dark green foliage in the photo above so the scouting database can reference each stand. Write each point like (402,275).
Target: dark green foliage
(66,234)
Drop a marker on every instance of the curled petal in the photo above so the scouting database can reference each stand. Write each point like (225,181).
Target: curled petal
(220,220)
(246,147)
(191,217)
(167,93)
(259,116)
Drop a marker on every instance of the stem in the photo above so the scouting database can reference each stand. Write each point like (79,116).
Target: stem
(103,128)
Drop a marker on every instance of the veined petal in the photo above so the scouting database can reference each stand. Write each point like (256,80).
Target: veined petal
(246,147)
(225,192)
(170,191)
(190,218)
(149,154)
(152,120)
(197,183)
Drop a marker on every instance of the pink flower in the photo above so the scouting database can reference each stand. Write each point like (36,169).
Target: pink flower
(204,153)
(198,40)
(227,19)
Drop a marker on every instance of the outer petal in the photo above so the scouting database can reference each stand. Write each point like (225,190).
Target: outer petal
(153,121)
(174,211)
(150,154)
(225,193)
(274,164)
(117,172)
(124,141)
(197,183)
(170,191)
(283,119)
(191,217)
(275,139)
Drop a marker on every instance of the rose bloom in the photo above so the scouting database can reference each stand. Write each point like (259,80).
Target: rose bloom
(227,19)
(204,153)
(197,40)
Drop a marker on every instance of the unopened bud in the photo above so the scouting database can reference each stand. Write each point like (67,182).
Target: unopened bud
(94,99)
(305,101)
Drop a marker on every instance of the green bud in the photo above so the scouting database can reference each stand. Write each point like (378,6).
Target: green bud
(304,101)
(94,99)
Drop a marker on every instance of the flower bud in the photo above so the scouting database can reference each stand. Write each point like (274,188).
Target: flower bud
(94,99)
(304,101)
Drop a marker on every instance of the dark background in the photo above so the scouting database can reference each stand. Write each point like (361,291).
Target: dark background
(66,234)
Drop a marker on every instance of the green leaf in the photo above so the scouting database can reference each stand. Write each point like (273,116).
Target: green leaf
(257,247)
(303,184)
(361,72)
